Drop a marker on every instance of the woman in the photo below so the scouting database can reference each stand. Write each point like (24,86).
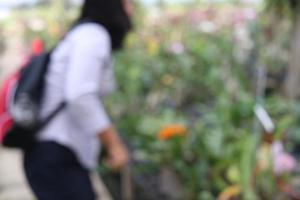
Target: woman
(80,74)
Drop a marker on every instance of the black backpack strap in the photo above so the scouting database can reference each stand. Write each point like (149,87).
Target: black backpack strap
(51,116)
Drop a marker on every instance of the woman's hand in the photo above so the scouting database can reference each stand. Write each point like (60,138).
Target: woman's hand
(117,153)
(117,157)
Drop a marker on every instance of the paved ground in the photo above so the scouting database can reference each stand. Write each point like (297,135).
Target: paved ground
(12,182)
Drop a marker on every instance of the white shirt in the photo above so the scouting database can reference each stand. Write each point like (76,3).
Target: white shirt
(80,73)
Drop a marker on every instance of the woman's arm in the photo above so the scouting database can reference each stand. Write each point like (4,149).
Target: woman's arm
(88,58)
(88,113)
(117,154)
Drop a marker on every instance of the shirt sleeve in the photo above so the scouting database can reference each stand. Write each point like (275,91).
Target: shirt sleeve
(87,60)
(88,113)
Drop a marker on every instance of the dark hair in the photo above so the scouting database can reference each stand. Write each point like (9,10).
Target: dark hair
(111,15)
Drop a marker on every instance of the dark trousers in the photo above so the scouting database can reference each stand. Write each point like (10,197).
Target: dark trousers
(54,173)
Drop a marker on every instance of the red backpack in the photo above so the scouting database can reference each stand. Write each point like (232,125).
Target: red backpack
(21,99)
(6,93)
(7,90)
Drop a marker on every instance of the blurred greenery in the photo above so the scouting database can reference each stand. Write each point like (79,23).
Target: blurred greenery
(198,66)
(283,7)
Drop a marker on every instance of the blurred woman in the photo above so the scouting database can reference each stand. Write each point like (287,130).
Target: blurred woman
(80,74)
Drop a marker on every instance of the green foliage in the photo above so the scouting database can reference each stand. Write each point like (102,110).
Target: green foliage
(175,71)
(283,7)
(158,87)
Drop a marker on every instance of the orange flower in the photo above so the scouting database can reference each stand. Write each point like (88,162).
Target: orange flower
(172,130)
(230,193)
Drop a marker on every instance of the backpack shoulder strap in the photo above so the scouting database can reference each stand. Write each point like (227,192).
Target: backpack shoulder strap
(52,115)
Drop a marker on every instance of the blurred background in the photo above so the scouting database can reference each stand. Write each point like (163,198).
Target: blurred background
(207,99)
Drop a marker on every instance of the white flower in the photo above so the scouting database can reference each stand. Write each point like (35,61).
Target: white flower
(207,27)
(177,48)
(250,14)
(282,161)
